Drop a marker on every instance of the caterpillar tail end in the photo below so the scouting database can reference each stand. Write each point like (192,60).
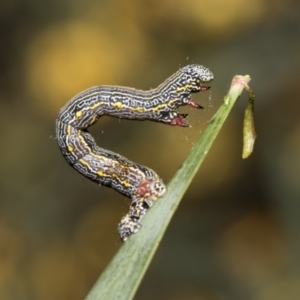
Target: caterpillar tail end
(130,223)
(127,227)
(147,192)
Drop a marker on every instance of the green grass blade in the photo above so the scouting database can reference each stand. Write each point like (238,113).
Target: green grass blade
(122,277)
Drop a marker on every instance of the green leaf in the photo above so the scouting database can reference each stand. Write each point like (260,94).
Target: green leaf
(123,275)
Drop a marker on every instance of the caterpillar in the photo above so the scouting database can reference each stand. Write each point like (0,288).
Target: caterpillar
(107,168)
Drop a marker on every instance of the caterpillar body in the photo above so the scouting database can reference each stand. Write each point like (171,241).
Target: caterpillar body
(107,168)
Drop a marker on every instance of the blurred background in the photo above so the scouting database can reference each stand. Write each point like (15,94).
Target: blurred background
(236,234)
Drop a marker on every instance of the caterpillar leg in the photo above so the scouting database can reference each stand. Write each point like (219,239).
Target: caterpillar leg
(130,223)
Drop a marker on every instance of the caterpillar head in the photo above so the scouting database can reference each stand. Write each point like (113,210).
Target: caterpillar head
(193,78)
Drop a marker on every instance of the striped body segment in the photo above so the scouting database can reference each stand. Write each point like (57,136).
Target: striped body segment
(107,168)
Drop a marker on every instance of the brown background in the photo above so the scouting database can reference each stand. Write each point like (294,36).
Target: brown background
(236,233)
